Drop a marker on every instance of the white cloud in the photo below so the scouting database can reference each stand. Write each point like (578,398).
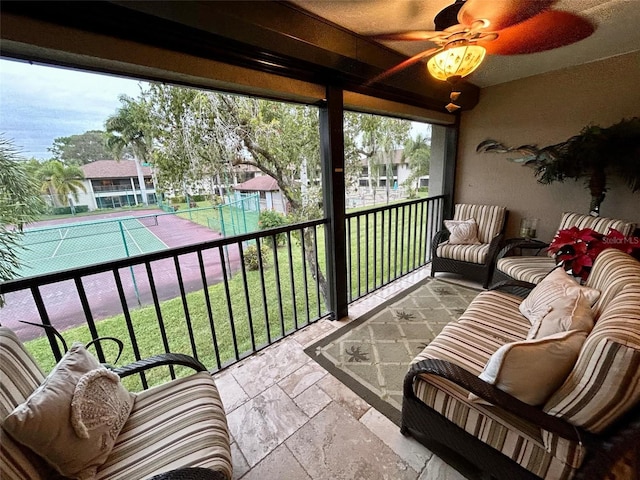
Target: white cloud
(40,103)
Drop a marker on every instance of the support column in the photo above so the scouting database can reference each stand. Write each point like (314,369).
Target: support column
(332,155)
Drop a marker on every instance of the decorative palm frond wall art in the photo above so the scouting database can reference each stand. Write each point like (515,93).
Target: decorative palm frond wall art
(593,155)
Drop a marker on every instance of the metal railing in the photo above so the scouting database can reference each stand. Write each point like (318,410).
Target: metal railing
(386,243)
(221,301)
(218,301)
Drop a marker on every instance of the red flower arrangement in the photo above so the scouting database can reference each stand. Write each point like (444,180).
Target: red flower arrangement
(576,249)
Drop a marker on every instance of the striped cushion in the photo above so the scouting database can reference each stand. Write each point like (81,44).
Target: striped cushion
(20,376)
(526,269)
(605,382)
(464,253)
(179,424)
(612,271)
(20,373)
(490,219)
(464,344)
(599,224)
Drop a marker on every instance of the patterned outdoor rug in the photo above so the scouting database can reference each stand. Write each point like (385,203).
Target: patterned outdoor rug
(371,355)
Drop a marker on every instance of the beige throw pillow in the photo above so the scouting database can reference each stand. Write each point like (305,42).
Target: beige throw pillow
(73,418)
(532,370)
(566,313)
(462,232)
(558,284)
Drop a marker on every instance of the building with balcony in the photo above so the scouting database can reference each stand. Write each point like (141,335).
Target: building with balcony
(115,184)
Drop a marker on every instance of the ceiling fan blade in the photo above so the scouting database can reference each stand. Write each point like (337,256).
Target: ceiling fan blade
(548,30)
(503,13)
(408,62)
(407,36)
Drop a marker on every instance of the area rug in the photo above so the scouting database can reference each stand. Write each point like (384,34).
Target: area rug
(371,355)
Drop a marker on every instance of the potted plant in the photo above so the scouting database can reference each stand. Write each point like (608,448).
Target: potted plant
(593,155)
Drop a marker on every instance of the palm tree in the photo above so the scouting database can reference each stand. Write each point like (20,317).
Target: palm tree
(417,151)
(20,204)
(130,128)
(60,181)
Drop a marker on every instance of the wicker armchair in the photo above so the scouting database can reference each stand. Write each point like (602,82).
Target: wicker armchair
(532,269)
(472,261)
(175,430)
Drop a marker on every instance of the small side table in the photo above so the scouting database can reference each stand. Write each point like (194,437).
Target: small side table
(528,244)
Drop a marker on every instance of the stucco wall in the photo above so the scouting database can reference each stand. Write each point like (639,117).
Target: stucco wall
(544,110)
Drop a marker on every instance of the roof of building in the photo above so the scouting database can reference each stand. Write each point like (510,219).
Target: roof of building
(261,183)
(113,169)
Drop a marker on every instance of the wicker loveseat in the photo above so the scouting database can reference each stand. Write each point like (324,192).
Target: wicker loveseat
(474,260)
(175,430)
(532,269)
(588,428)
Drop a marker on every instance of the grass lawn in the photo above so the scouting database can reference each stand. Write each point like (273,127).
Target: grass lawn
(248,315)
(395,249)
(101,211)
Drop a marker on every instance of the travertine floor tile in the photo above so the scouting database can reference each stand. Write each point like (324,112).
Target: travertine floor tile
(264,422)
(407,448)
(262,370)
(301,379)
(337,390)
(312,400)
(333,445)
(240,466)
(231,392)
(438,469)
(278,465)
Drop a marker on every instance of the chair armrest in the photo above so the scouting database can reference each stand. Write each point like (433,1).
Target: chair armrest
(495,244)
(158,361)
(513,243)
(493,395)
(439,237)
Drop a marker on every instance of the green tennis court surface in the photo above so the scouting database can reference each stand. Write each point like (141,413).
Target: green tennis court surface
(72,245)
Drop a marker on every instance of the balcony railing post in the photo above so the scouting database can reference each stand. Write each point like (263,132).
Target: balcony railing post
(332,151)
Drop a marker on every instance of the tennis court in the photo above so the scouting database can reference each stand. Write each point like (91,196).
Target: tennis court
(73,245)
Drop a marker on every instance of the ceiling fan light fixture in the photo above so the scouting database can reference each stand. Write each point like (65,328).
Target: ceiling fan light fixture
(457,59)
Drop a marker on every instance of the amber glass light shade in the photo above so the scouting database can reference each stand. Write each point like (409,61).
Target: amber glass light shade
(456,61)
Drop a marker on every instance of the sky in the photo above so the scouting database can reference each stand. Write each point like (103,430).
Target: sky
(39,104)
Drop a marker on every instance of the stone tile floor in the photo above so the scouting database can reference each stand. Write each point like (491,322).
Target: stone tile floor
(291,420)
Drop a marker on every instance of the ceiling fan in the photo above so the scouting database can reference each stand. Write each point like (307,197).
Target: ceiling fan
(468,29)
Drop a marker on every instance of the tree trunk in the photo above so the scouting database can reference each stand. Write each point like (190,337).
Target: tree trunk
(316,272)
(143,188)
(597,187)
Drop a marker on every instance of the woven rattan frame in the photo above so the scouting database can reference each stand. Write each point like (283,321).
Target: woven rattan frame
(479,272)
(453,443)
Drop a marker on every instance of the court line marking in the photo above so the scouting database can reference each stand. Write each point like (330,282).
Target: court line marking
(60,243)
(134,240)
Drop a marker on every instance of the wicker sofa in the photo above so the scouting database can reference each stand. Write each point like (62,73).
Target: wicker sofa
(532,269)
(588,428)
(175,430)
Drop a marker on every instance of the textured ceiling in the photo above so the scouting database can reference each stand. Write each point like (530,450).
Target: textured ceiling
(617,32)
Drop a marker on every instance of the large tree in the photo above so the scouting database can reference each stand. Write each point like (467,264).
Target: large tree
(81,149)
(417,152)
(199,134)
(130,128)
(20,203)
(376,140)
(61,181)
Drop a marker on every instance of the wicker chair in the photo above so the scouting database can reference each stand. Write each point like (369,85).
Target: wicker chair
(175,430)
(472,261)
(532,269)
